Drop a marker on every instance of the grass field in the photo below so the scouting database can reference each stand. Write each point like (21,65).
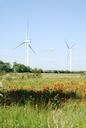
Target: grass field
(45,101)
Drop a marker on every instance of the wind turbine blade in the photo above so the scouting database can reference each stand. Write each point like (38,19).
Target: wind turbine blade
(67,44)
(27,32)
(19,45)
(73,45)
(32,49)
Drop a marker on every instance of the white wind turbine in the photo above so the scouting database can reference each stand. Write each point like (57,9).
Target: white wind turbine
(70,55)
(27,42)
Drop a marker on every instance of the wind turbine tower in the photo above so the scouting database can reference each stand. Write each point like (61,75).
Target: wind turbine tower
(70,55)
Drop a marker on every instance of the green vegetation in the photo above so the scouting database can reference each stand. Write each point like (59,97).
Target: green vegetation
(5,67)
(21,68)
(22,117)
(71,115)
(29,100)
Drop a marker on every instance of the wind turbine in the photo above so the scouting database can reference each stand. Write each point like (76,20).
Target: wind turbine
(27,42)
(70,55)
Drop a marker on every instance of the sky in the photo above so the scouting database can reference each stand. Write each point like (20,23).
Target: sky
(51,22)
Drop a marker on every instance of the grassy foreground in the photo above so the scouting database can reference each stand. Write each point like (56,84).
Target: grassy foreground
(72,115)
(62,99)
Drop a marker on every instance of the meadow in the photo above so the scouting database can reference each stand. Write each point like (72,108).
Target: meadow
(42,100)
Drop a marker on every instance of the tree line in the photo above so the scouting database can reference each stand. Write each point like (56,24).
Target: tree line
(16,67)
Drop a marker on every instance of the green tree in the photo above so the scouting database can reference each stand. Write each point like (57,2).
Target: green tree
(5,67)
(20,68)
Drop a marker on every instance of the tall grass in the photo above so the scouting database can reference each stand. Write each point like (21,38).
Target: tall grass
(72,115)
(69,114)
(22,117)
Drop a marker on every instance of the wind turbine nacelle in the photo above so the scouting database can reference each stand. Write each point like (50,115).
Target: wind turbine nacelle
(28,41)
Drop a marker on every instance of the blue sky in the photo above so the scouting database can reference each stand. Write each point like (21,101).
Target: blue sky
(51,22)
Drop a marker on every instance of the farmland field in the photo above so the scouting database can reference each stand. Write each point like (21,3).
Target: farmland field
(42,101)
